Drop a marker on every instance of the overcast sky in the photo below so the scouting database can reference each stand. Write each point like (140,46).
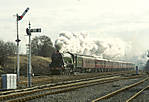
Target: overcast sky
(125,19)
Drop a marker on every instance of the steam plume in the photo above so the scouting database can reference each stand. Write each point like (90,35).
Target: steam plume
(109,48)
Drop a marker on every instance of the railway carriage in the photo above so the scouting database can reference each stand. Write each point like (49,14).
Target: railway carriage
(115,66)
(78,63)
(107,66)
(100,64)
(88,64)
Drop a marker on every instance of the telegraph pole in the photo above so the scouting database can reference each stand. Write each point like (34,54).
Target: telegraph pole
(18,18)
(29,73)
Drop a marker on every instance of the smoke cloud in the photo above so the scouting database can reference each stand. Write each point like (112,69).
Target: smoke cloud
(107,48)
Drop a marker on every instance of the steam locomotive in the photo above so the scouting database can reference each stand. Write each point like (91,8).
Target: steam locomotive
(71,63)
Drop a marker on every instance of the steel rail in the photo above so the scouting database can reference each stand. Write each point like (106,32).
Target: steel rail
(59,85)
(63,90)
(136,94)
(4,97)
(51,84)
(101,74)
(119,90)
(55,92)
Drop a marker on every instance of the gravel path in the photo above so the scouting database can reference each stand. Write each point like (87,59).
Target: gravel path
(88,93)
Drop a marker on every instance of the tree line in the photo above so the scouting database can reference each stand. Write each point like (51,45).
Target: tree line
(6,49)
(41,46)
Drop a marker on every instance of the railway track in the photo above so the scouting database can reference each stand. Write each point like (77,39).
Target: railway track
(40,91)
(130,92)
(49,79)
(137,94)
(52,84)
(65,82)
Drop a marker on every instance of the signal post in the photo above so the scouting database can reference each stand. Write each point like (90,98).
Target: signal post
(29,72)
(18,40)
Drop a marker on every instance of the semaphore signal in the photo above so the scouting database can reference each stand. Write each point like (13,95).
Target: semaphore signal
(18,40)
(20,17)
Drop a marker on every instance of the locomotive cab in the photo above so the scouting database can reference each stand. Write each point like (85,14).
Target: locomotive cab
(68,60)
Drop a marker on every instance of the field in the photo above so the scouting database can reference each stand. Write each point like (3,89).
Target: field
(39,65)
